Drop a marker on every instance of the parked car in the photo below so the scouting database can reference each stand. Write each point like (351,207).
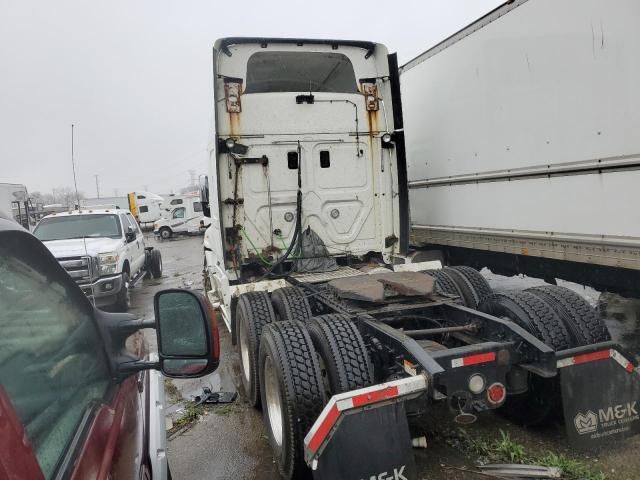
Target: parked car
(185,217)
(103,250)
(79,395)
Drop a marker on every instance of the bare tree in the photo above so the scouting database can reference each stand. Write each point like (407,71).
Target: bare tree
(62,195)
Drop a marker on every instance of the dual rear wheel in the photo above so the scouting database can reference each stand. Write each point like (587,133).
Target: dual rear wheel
(561,319)
(292,363)
(555,315)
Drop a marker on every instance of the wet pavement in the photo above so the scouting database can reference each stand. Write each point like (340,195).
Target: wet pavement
(229,441)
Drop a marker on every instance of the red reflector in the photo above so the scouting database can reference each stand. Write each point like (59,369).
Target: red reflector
(480,358)
(324,428)
(591,357)
(496,393)
(629,368)
(365,399)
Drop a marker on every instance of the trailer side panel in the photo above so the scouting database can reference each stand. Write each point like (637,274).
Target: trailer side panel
(520,134)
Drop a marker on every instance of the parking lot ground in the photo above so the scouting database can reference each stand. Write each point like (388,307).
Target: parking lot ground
(229,441)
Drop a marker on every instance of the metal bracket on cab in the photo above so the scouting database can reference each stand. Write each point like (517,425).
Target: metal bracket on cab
(263,160)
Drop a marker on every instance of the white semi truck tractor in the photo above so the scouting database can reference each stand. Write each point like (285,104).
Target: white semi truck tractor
(344,331)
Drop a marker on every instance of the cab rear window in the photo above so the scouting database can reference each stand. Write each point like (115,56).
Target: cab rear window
(300,72)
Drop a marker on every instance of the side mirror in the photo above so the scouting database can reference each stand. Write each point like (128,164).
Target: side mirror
(204,195)
(188,342)
(131,234)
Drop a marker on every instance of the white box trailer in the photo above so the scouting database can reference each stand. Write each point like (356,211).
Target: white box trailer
(522,142)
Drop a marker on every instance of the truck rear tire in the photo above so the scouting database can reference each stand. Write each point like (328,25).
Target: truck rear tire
(477,281)
(444,283)
(155,263)
(253,312)
(538,318)
(584,324)
(531,313)
(345,361)
(291,392)
(470,297)
(290,303)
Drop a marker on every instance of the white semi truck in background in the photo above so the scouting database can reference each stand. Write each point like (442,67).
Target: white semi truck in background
(146,207)
(346,327)
(522,142)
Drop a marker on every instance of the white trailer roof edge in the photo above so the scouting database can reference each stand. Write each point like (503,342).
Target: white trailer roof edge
(474,26)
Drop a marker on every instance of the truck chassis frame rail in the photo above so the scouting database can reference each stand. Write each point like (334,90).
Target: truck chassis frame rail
(399,335)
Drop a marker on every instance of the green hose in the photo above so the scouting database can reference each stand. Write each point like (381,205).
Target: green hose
(262,259)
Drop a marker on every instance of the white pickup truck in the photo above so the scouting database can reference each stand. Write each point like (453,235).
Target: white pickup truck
(103,250)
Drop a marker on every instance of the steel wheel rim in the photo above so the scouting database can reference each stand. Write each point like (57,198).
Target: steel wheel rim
(244,352)
(272,397)
(164,234)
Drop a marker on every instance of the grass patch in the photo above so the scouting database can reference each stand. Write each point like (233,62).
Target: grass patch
(172,391)
(191,414)
(571,467)
(223,409)
(505,450)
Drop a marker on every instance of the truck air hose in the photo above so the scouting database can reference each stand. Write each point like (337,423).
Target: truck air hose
(297,234)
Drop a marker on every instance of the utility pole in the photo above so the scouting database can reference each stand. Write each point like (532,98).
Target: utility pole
(97,187)
(73,164)
(192,178)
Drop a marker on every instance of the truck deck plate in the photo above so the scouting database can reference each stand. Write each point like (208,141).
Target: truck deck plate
(341,272)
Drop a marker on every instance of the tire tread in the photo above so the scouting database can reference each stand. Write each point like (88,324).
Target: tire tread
(347,350)
(304,396)
(475,278)
(291,304)
(256,308)
(583,322)
(539,318)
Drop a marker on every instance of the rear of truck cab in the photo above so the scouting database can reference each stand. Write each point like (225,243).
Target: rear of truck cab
(302,118)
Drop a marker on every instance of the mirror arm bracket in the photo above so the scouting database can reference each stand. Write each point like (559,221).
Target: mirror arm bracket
(121,330)
(117,328)
(126,369)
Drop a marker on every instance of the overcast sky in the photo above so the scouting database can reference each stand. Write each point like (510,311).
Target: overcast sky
(134,76)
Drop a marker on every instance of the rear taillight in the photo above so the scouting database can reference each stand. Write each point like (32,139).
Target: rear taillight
(496,393)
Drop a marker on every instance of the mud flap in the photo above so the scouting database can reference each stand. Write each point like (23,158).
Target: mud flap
(364,434)
(600,394)
(375,444)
